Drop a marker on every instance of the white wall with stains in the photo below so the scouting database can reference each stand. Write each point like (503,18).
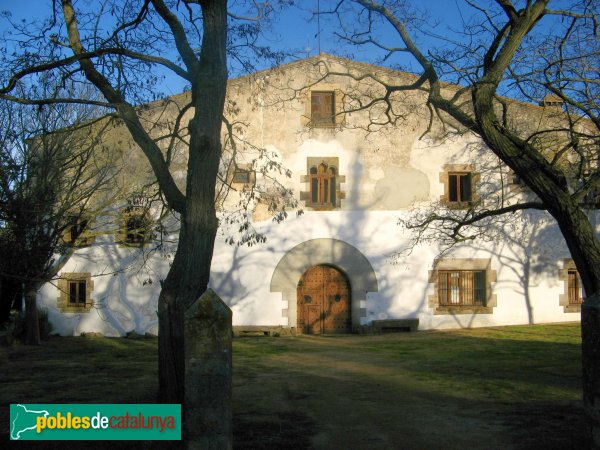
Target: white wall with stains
(389,174)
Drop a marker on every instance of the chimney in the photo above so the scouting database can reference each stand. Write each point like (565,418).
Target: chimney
(552,101)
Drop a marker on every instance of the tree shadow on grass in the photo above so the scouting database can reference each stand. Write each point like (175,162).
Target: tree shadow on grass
(272,430)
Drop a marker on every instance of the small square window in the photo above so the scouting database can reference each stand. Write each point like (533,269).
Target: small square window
(241,176)
(76,232)
(75,291)
(459,187)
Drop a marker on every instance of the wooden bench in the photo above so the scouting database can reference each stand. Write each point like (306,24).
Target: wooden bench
(261,330)
(394,325)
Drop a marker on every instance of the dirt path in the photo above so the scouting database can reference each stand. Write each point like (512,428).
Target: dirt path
(335,393)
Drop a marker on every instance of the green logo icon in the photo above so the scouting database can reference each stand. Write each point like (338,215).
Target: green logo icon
(95,422)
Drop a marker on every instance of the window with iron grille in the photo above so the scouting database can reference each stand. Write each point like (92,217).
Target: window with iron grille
(322,108)
(461,288)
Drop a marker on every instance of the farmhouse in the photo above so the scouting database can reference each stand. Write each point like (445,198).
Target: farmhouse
(319,189)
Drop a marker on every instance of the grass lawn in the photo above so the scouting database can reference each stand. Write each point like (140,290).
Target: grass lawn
(510,387)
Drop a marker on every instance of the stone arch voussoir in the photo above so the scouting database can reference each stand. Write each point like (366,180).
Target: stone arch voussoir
(332,252)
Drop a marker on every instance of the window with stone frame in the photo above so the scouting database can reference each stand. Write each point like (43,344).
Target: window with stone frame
(136,227)
(460,185)
(323,181)
(77,232)
(462,286)
(573,294)
(75,289)
(242,174)
(515,180)
(322,108)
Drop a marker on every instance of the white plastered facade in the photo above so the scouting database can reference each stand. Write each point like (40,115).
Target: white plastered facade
(385,175)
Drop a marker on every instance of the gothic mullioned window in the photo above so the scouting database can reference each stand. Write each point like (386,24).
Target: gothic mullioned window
(323,186)
(323,183)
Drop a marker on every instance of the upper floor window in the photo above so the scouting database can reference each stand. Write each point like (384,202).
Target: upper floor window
(76,232)
(323,185)
(76,228)
(459,185)
(322,108)
(136,227)
(323,182)
(241,176)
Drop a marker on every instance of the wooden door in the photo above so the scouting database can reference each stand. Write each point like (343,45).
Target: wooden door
(324,301)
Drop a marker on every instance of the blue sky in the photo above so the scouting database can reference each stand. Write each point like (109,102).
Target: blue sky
(293,29)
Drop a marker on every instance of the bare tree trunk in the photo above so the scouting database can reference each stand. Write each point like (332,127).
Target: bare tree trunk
(184,284)
(32,324)
(190,272)
(170,347)
(590,354)
(575,226)
(583,244)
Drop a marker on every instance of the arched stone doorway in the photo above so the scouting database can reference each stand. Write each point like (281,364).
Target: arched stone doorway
(324,301)
(330,252)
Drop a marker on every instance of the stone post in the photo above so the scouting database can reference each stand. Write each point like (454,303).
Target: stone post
(590,349)
(208,371)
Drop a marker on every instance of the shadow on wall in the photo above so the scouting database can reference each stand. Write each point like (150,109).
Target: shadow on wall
(125,298)
(525,249)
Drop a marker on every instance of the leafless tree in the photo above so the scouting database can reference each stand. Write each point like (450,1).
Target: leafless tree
(52,184)
(522,49)
(121,47)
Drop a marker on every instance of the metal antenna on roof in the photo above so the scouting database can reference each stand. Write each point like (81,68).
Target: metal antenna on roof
(319,26)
